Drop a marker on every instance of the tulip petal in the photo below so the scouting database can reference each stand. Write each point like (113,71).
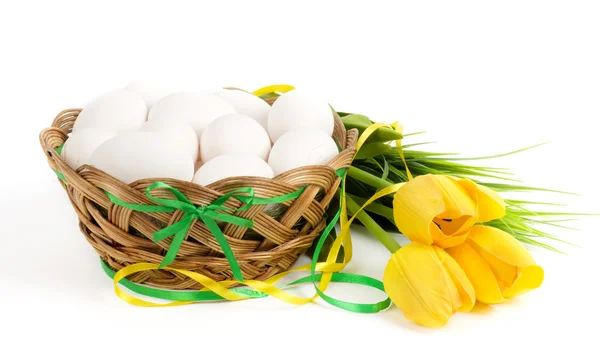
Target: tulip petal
(501,245)
(427,284)
(462,282)
(497,264)
(512,280)
(490,206)
(505,273)
(434,209)
(416,204)
(447,233)
(479,273)
(457,200)
(529,278)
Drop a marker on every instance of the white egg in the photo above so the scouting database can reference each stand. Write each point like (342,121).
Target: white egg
(247,104)
(118,110)
(80,146)
(150,92)
(197,109)
(178,132)
(141,155)
(297,110)
(226,166)
(234,134)
(301,148)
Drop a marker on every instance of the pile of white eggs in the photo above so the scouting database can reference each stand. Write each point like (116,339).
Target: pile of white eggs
(141,132)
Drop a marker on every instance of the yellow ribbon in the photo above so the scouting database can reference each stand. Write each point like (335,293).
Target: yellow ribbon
(268,286)
(273,89)
(220,288)
(398,127)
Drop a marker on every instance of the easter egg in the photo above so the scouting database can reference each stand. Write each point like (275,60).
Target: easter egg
(247,104)
(142,155)
(301,148)
(151,93)
(177,131)
(234,134)
(231,165)
(197,109)
(80,146)
(297,110)
(117,110)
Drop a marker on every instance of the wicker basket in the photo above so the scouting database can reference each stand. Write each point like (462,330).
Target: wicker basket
(123,237)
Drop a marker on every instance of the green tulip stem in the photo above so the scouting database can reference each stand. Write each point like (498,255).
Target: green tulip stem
(384,237)
(368,178)
(375,208)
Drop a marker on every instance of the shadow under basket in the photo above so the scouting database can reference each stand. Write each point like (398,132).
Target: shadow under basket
(121,236)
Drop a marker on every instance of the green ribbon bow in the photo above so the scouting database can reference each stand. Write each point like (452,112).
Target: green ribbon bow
(313,278)
(216,211)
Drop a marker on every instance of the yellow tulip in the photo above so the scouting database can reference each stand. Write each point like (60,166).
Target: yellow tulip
(427,284)
(498,265)
(440,210)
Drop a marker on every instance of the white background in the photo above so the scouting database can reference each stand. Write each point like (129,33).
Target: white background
(480,77)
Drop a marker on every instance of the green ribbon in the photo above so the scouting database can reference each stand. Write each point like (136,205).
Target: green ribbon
(60,175)
(346,278)
(313,278)
(216,211)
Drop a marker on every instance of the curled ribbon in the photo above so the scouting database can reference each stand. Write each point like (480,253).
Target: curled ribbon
(208,214)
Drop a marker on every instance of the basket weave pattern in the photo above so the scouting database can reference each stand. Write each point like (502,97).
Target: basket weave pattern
(122,237)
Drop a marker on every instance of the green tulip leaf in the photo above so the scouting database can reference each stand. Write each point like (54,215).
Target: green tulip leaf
(371,150)
(362,122)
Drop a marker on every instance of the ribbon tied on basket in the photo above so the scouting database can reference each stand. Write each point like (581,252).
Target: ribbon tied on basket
(209,215)
(220,290)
